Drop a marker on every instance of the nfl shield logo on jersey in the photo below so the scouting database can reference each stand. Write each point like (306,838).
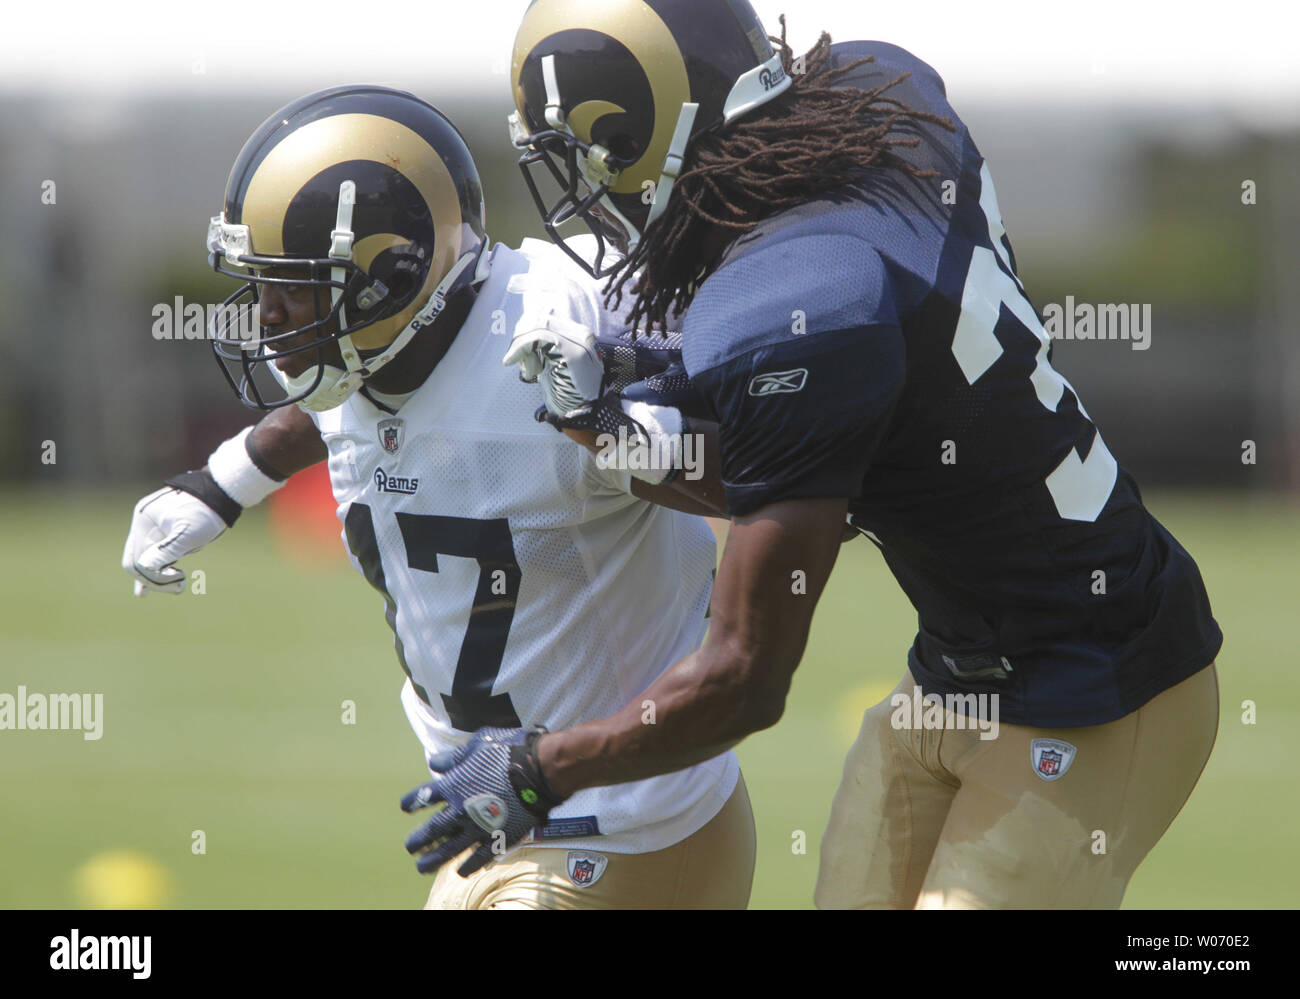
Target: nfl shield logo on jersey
(585,868)
(390,435)
(1051,758)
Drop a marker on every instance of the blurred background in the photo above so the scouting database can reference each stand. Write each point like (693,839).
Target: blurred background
(1139,158)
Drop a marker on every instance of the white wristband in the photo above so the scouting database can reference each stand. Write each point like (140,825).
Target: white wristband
(661,457)
(234,471)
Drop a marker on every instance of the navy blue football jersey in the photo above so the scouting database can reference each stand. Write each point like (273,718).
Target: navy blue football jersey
(876,343)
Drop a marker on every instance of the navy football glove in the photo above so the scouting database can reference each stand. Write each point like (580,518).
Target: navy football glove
(651,415)
(495,795)
(629,357)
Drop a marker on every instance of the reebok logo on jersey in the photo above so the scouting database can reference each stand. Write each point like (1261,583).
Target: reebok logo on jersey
(395,484)
(1050,758)
(585,868)
(778,381)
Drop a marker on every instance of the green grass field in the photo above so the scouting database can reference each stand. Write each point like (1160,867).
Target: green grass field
(223,713)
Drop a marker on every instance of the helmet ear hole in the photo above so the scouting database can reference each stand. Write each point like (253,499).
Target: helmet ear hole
(624,146)
(401,271)
(406,276)
(357,295)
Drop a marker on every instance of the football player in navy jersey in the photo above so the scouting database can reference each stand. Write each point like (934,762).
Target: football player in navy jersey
(855,327)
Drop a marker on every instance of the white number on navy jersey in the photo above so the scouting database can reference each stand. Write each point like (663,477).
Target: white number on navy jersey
(1079,488)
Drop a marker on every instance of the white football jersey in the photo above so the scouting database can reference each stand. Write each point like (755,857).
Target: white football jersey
(525,585)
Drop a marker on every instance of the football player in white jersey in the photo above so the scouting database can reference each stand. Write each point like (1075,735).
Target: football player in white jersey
(526,584)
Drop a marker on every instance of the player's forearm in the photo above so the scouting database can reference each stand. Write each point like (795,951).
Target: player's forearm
(700,708)
(285,442)
(697,488)
(698,485)
(775,565)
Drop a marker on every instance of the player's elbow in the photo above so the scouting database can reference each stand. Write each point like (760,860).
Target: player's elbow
(753,684)
(766,708)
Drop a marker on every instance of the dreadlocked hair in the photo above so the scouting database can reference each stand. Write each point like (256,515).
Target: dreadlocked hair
(792,149)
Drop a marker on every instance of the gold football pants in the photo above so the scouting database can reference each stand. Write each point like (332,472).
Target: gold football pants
(712,868)
(936,817)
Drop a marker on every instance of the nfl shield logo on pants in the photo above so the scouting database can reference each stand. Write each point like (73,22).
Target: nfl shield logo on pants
(1051,758)
(390,435)
(585,868)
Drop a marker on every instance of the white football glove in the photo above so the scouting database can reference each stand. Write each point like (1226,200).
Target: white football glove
(172,523)
(561,356)
(167,525)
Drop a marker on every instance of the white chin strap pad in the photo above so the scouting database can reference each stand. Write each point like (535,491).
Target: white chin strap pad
(332,392)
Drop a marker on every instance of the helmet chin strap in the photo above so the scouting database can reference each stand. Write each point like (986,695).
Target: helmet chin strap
(341,240)
(333,385)
(672,167)
(554,116)
(425,317)
(336,385)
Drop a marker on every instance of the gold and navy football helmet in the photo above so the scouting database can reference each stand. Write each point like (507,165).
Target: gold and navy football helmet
(609,95)
(366,193)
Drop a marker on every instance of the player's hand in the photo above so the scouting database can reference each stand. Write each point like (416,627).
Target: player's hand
(495,795)
(167,525)
(576,369)
(651,415)
(561,356)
